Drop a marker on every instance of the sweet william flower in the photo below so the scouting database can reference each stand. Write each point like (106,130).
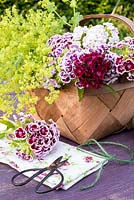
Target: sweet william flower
(129,65)
(79,32)
(59,43)
(90,69)
(20,133)
(24,156)
(93,39)
(32,127)
(93,57)
(43,138)
(125,66)
(35,139)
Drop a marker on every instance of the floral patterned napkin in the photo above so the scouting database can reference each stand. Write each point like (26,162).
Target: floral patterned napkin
(79,164)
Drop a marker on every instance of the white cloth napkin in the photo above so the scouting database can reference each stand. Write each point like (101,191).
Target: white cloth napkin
(79,164)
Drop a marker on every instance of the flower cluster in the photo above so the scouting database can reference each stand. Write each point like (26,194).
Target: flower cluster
(93,56)
(125,64)
(91,69)
(96,36)
(59,43)
(34,138)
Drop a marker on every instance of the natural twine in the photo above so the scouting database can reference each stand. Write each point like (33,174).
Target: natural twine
(108,157)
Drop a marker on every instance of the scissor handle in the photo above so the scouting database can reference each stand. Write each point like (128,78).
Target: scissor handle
(37,188)
(16,176)
(52,168)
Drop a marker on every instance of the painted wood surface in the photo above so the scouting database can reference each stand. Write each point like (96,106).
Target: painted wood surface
(116,182)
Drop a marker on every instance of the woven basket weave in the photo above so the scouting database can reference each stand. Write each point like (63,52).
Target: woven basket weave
(99,113)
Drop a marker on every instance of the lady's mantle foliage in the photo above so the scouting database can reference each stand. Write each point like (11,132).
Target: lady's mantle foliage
(24,60)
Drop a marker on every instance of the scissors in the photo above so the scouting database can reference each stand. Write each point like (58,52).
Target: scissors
(52,168)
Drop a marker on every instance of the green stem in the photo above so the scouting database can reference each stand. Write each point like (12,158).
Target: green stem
(98,175)
(62,18)
(74,11)
(117,3)
(106,156)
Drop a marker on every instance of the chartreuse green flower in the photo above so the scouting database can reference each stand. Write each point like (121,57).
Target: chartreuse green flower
(24,58)
(24,61)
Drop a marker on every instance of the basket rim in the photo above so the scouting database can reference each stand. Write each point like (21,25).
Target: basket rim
(128,22)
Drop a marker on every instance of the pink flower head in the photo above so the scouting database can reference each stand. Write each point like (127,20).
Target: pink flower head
(20,133)
(131,55)
(123,65)
(59,43)
(24,156)
(119,60)
(32,139)
(39,138)
(32,127)
(91,69)
(43,137)
(120,69)
(44,130)
(129,65)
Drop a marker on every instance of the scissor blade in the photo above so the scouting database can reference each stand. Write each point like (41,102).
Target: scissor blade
(58,160)
(57,163)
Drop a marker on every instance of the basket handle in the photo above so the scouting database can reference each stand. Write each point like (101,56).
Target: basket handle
(125,20)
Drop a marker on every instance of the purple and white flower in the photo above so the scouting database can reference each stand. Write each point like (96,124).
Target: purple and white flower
(20,133)
(39,138)
(78,54)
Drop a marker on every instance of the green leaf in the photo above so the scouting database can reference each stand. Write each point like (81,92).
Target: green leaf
(133,122)
(65,1)
(81,93)
(8,123)
(2,135)
(110,89)
(73,4)
(50,6)
(14,144)
(75,19)
(67,156)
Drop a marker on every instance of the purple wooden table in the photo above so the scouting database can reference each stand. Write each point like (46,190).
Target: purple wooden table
(116,183)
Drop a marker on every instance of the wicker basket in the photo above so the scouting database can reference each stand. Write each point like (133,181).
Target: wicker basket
(99,113)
